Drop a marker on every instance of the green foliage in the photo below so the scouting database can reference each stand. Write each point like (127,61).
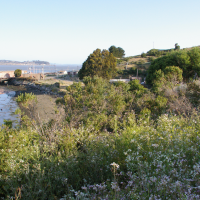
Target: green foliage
(123,85)
(136,87)
(154,52)
(168,79)
(140,62)
(117,141)
(135,70)
(8,123)
(119,71)
(193,93)
(177,47)
(17,72)
(99,63)
(119,61)
(26,98)
(151,59)
(126,59)
(188,61)
(143,55)
(194,55)
(173,74)
(117,51)
(56,163)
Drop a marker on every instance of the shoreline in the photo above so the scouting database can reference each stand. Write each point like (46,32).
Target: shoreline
(45,109)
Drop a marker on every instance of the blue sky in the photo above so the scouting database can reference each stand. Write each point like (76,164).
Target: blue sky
(67,31)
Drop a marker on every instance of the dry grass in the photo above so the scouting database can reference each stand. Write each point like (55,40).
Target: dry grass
(64,81)
(134,62)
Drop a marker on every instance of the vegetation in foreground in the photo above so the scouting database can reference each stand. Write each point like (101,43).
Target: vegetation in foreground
(117,141)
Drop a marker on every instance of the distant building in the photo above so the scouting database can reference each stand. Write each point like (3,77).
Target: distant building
(62,72)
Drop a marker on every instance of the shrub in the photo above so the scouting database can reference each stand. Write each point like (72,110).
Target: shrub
(143,55)
(17,72)
(151,59)
(136,87)
(25,99)
(115,142)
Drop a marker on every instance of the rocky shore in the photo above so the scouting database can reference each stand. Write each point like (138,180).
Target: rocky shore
(29,86)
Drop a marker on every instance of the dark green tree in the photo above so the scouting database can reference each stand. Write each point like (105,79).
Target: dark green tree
(177,47)
(194,57)
(117,51)
(153,52)
(99,63)
(17,72)
(143,55)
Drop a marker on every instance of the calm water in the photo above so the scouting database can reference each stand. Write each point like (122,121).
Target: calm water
(38,68)
(8,106)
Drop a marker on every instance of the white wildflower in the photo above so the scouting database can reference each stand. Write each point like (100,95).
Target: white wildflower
(154,145)
(115,165)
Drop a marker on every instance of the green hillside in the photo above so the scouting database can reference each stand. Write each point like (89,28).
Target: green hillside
(128,66)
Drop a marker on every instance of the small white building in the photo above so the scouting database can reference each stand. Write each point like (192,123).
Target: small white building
(62,72)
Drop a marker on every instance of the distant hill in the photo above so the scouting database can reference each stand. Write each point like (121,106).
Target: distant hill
(129,65)
(34,62)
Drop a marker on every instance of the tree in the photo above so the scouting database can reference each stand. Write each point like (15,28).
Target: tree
(143,55)
(117,51)
(99,63)
(153,52)
(188,61)
(136,87)
(168,78)
(194,57)
(177,47)
(173,74)
(17,72)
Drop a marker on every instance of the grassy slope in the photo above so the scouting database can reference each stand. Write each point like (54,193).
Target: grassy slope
(135,61)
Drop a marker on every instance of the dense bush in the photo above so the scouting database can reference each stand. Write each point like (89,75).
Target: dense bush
(118,141)
(143,55)
(17,72)
(188,61)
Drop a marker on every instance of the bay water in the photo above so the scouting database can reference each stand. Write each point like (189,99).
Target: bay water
(8,105)
(39,68)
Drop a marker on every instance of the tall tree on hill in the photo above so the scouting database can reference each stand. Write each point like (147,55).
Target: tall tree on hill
(117,51)
(99,63)
(177,47)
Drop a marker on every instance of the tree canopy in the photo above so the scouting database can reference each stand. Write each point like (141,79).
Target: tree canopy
(99,63)
(177,47)
(117,51)
(17,72)
(188,61)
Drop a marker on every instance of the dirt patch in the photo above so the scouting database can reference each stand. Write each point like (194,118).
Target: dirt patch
(45,108)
